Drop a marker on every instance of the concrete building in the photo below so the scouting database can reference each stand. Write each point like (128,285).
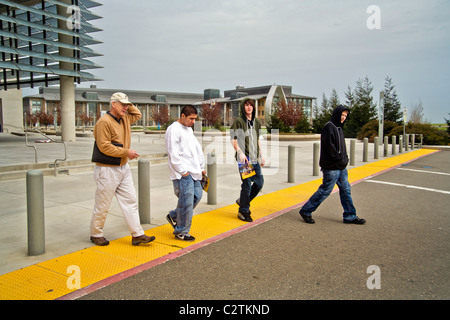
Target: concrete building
(265,97)
(91,103)
(43,42)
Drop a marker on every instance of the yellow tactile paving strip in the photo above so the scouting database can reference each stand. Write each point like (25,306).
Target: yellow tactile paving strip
(49,279)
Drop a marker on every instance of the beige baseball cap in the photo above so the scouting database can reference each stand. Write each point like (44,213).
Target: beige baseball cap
(120,96)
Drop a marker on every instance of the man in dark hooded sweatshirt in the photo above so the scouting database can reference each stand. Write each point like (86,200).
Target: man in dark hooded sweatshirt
(333,162)
(244,135)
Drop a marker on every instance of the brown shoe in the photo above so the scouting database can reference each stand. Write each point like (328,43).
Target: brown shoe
(141,239)
(100,241)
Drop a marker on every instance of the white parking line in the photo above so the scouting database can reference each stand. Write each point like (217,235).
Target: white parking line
(424,171)
(408,186)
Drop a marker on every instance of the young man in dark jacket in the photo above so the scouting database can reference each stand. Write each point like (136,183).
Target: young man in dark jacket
(244,135)
(333,162)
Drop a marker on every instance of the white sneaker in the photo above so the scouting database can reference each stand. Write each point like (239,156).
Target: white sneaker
(185,237)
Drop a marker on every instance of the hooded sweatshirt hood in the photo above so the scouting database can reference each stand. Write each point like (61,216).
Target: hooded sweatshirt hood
(336,116)
(242,109)
(333,151)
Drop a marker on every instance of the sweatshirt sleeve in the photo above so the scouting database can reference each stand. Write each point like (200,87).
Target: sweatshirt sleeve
(173,150)
(201,157)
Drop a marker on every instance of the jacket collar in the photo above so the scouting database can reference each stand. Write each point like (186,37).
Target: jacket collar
(115,118)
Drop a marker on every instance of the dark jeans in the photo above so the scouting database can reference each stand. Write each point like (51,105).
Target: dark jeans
(189,193)
(250,188)
(330,178)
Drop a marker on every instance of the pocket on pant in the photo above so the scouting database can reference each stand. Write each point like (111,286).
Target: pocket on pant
(330,176)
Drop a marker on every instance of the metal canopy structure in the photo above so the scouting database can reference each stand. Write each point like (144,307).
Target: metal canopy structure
(42,40)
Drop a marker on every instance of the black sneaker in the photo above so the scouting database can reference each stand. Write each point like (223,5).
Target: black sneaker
(308,219)
(245,217)
(172,222)
(185,237)
(356,221)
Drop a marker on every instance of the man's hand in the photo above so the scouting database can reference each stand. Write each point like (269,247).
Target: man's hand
(132,154)
(242,157)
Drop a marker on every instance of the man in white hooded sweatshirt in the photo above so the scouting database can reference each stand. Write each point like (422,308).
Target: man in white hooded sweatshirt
(186,165)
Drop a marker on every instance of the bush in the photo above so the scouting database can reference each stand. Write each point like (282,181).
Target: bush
(303,126)
(431,136)
(276,123)
(370,130)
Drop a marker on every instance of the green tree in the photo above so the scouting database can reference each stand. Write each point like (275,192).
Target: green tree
(392,106)
(334,101)
(275,123)
(323,116)
(362,110)
(303,126)
(350,98)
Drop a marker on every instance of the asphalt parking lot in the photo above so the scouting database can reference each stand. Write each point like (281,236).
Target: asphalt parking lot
(401,253)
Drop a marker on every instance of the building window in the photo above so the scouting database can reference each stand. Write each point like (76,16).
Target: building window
(36,106)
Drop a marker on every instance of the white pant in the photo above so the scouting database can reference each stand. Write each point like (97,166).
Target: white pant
(116,181)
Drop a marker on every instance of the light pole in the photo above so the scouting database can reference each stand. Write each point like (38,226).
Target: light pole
(405,114)
(381,116)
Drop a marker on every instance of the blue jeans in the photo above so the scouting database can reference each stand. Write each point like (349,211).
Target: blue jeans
(250,188)
(330,178)
(189,193)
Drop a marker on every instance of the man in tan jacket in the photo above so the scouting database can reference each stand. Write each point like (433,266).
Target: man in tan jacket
(112,173)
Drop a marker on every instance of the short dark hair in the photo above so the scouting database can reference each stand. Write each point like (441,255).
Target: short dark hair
(188,110)
(250,101)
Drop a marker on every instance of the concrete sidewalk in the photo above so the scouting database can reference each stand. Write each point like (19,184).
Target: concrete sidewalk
(69,199)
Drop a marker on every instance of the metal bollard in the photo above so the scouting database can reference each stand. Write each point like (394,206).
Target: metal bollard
(144,190)
(406,142)
(394,145)
(211,171)
(35,212)
(386,146)
(316,156)
(413,141)
(365,149)
(291,163)
(352,152)
(375,148)
(400,144)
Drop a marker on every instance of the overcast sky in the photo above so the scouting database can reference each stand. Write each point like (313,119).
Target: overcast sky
(313,46)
